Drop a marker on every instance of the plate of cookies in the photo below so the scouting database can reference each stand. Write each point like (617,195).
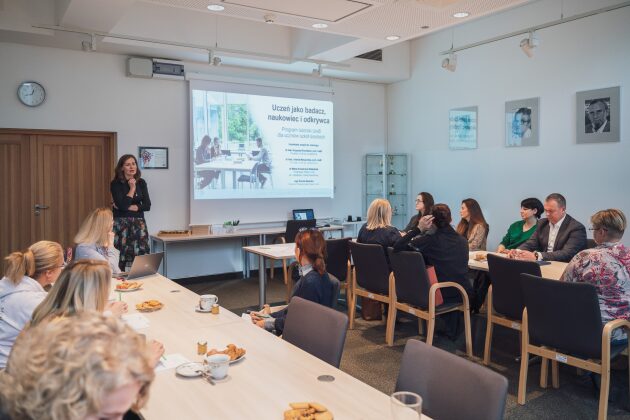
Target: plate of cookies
(307,411)
(236,353)
(149,306)
(128,286)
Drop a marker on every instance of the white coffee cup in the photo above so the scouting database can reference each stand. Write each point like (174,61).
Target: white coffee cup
(206,302)
(218,365)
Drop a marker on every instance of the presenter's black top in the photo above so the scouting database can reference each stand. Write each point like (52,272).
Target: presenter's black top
(120,189)
(444,249)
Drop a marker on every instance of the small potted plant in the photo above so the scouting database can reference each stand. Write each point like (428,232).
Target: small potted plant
(230,225)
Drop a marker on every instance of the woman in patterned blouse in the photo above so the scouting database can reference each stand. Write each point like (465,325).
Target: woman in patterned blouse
(607,267)
(473,226)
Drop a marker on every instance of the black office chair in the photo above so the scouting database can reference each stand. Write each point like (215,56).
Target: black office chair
(590,243)
(451,387)
(338,262)
(413,293)
(316,329)
(562,322)
(370,276)
(505,298)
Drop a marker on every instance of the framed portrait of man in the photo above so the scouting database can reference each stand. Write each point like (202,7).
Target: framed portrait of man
(597,116)
(462,128)
(522,122)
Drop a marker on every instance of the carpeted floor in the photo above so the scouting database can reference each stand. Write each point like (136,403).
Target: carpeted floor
(367,358)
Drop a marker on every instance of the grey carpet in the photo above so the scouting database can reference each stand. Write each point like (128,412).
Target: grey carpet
(367,358)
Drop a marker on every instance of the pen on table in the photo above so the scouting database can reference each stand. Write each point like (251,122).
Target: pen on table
(163,358)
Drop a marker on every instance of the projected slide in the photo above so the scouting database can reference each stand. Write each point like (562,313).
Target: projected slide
(252,146)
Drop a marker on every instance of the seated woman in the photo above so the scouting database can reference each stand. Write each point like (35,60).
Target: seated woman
(607,267)
(203,154)
(315,284)
(22,289)
(520,231)
(441,247)
(85,367)
(424,206)
(95,239)
(379,229)
(473,226)
(84,285)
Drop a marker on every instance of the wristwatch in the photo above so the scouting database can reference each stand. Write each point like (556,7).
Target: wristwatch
(538,256)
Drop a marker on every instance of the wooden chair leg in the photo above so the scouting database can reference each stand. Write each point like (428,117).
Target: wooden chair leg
(391,324)
(352,301)
(522,379)
(489,328)
(430,328)
(544,372)
(285,272)
(604,387)
(555,374)
(467,331)
(421,326)
(272,267)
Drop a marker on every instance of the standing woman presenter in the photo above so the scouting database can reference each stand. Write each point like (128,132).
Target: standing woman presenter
(131,200)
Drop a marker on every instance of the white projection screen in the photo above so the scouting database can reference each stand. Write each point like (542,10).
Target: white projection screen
(250,144)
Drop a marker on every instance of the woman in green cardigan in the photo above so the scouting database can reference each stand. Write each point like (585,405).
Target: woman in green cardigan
(519,232)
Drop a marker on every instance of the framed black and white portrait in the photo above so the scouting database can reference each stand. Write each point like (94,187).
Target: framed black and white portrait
(522,119)
(597,115)
(462,128)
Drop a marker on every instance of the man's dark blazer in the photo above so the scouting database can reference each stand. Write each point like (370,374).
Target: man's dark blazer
(570,240)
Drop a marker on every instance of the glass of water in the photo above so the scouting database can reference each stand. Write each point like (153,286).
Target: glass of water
(406,406)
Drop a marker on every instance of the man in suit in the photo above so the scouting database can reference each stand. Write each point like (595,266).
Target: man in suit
(597,113)
(557,238)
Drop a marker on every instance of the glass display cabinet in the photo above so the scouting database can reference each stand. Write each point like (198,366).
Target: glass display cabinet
(386,177)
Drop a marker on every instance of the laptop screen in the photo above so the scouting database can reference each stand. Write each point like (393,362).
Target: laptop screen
(303,214)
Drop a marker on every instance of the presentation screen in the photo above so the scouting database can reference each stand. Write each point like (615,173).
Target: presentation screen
(258,146)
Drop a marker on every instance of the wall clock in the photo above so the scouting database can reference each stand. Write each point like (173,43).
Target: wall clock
(31,93)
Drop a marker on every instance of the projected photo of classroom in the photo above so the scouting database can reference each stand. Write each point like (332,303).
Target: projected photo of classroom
(253,146)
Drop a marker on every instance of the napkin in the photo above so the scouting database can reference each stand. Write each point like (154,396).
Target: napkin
(136,321)
(170,361)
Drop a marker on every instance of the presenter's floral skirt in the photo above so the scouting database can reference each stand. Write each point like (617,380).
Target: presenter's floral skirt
(132,238)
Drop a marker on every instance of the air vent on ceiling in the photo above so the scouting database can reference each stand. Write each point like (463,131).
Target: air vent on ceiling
(376,55)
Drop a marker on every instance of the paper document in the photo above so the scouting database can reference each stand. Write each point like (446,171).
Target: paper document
(170,361)
(136,321)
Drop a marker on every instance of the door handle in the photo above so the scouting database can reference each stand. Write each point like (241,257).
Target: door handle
(39,207)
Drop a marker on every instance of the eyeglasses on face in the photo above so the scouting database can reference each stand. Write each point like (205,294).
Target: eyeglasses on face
(598,228)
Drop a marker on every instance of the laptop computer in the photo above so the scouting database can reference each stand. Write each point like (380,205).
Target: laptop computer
(303,214)
(143,265)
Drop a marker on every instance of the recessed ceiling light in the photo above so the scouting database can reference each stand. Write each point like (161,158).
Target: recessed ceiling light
(320,25)
(392,38)
(216,8)
(460,15)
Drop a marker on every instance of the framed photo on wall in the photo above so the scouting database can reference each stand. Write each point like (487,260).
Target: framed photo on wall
(153,157)
(597,115)
(522,122)
(462,128)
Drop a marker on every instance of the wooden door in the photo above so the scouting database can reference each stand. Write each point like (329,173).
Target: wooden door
(67,175)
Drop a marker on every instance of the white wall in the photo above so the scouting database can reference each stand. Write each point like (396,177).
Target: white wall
(89,91)
(587,54)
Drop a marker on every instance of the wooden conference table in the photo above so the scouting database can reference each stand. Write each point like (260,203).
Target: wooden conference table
(228,165)
(272,374)
(551,271)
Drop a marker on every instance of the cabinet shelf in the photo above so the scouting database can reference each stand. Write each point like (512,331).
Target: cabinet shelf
(386,177)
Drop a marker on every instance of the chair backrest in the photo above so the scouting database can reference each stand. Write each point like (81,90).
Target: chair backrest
(590,243)
(451,387)
(337,255)
(371,267)
(316,329)
(412,280)
(505,274)
(293,227)
(563,315)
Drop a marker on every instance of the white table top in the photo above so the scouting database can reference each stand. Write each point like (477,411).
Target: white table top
(224,164)
(274,251)
(549,271)
(238,233)
(272,374)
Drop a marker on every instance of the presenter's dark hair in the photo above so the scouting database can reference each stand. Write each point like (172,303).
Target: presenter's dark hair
(558,198)
(533,204)
(119,173)
(427,199)
(312,244)
(476,217)
(441,215)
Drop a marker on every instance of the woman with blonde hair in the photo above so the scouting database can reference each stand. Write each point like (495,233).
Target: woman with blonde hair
(95,239)
(379,229)
(22,289)
(83,286)
(85,367)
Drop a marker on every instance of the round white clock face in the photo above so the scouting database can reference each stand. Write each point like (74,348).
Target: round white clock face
(31,93)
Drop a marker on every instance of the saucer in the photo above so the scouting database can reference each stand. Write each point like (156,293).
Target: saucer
(190,370)
(205,311)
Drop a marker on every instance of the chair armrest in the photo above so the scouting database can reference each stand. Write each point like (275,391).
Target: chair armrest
(441,285)
(610,326)
(279,240)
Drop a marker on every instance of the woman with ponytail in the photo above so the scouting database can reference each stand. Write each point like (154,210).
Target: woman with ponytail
(315,284)
(22,289)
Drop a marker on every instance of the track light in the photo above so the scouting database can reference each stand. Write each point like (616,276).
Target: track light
(528,44)
(213,60)
(318,71)
(450,63)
